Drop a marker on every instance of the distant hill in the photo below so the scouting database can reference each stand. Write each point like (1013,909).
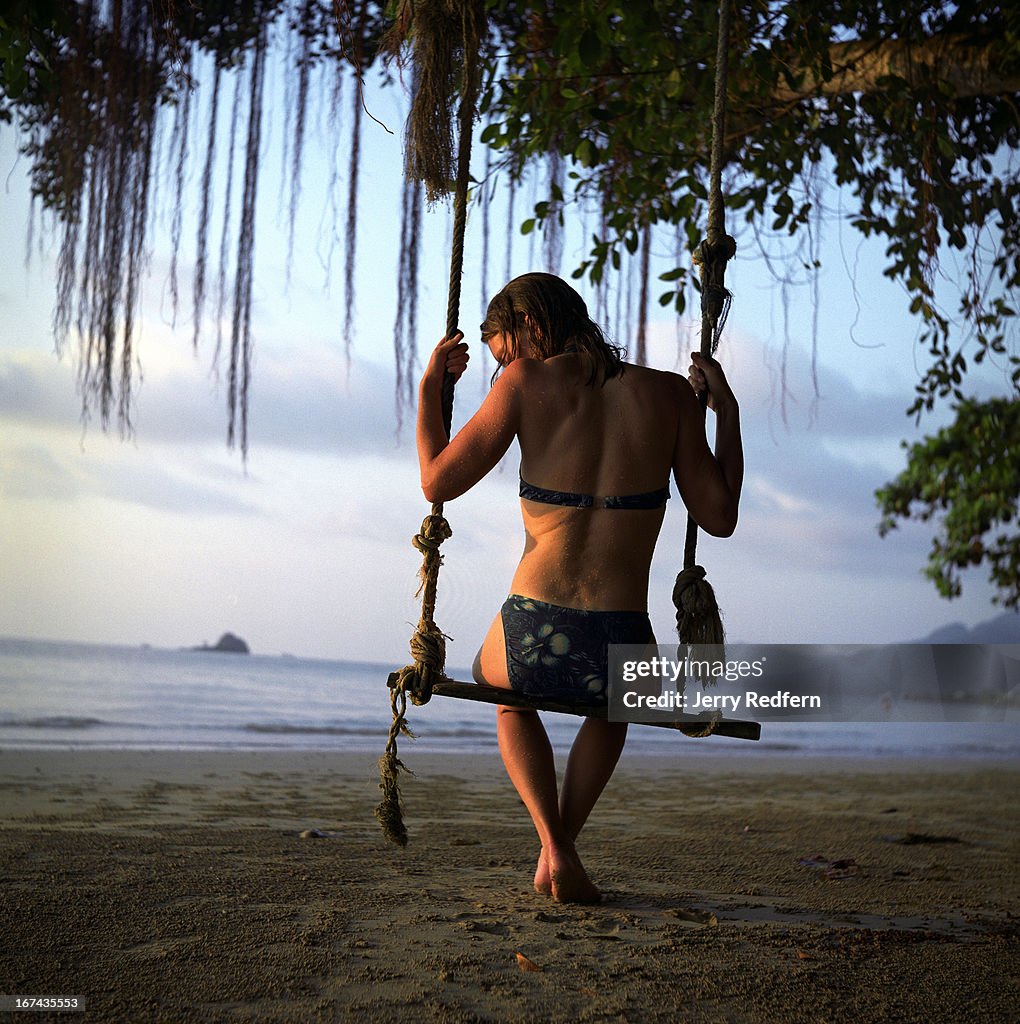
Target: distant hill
(227,644)
(1003,629)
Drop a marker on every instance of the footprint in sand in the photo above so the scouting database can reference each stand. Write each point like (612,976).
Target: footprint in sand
(501,930)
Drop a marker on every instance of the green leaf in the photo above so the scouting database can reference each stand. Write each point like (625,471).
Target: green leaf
(586,154)
(589,49)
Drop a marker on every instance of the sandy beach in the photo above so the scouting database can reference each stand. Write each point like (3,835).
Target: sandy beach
(178,887)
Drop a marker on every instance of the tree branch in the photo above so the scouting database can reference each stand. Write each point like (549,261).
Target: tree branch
(969,68)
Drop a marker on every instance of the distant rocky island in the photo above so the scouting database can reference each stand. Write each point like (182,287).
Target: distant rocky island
(1003,629)
(227,644)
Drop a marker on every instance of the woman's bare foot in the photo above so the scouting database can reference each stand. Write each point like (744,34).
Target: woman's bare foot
(569,881)
(543,880)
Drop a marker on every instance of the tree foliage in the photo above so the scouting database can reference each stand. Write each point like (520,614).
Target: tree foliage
(924,140)
(960,476)
(909,108)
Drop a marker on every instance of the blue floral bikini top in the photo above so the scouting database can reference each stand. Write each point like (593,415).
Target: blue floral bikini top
(649,499)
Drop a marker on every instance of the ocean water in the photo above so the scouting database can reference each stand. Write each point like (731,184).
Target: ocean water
(69,695)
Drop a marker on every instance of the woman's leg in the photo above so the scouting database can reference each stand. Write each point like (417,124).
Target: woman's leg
(593,758)
(595,753)
(528,756)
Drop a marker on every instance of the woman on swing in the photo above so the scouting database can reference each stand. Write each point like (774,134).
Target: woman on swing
(599,438)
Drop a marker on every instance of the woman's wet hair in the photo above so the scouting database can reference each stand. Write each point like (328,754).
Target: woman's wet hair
(546,311)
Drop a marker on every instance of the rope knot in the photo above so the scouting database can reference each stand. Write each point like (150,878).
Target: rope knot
(699,732)
(428,648)
(686,578)
(434,530)
(697,613)
(711,255)
(711,259)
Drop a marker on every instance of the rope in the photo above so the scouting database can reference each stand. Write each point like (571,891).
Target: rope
(428,644)
(697,612)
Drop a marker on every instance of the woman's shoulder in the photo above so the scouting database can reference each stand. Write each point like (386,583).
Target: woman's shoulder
(530,375)
(517,374)
(661,393)
(650,377)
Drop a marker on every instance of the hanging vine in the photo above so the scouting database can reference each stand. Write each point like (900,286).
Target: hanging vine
(115,88)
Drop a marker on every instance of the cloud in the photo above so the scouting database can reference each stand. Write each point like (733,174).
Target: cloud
(808,507)
(32,473)
(35,472)
(770,496)
(38,390)
(310,402)
(819,477)
(160,487)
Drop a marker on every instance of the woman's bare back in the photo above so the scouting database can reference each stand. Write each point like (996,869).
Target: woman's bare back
(614,439)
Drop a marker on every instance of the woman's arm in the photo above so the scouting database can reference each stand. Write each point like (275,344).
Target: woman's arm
(709,484)
(449,468)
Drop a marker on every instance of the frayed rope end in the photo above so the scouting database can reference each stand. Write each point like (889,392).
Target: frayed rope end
(388,812)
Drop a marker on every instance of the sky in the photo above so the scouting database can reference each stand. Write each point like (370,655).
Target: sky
(167,537)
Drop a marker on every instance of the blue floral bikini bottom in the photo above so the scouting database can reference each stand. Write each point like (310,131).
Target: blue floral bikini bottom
(563,653)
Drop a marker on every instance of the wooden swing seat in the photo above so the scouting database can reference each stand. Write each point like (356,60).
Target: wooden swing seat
(736,728)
